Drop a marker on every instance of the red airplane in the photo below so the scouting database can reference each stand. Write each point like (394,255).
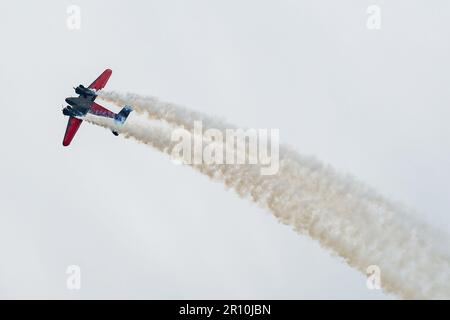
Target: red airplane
(79,106)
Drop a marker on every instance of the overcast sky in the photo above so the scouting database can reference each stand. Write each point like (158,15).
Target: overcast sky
(373,103)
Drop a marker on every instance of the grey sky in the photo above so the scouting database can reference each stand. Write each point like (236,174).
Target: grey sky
(373,103)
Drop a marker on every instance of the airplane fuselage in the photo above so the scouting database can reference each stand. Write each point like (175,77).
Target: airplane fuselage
(80,106)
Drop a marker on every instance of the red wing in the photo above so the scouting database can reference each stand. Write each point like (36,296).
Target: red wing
(98,110)
(101,81)
(71,130)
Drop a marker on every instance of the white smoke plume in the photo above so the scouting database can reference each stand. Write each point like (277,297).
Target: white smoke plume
(159,110)
(344,215)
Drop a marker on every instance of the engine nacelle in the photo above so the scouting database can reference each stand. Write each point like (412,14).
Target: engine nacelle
(85,92)
(67,111)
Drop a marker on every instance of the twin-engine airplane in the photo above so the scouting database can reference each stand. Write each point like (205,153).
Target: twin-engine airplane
(83,104)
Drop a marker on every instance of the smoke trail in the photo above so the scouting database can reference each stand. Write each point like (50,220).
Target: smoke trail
(169,112)
(345,216)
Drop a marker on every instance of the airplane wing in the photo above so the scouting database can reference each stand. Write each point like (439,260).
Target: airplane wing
(101,81)
(71,130)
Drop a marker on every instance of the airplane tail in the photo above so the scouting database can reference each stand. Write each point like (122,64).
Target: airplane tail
(122,116)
